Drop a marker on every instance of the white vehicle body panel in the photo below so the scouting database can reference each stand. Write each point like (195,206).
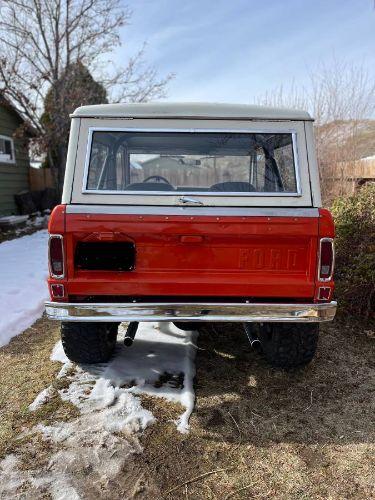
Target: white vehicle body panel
(79,149)
(185,110)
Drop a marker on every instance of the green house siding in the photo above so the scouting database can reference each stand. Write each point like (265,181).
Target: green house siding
(14,177)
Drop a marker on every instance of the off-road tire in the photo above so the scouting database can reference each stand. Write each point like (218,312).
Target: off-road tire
(186,326)
(89,343)
(288,345)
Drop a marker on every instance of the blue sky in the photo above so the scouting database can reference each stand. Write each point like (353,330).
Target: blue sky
(235,50)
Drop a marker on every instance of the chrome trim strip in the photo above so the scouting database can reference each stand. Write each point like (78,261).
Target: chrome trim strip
(62,275)
(293,132)
(211,194)
(191,312)
(192,211)
(331,240)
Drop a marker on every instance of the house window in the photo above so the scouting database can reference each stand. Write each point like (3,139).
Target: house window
(6,149)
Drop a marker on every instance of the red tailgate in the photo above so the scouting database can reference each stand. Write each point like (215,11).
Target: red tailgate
(259,257)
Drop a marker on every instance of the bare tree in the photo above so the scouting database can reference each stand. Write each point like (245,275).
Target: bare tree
(41,39)
(286,97)
(340,96)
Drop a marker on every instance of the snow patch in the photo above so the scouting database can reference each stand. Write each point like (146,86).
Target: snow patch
(62,478)
(105,435)
(58,354)
(42,398)
(9,479)
(39,220)
(368,158)
(23,271)
(160,363)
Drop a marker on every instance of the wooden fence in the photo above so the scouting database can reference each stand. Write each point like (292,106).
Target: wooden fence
(40,178)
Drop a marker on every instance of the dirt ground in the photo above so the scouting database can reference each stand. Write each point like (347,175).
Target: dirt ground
(255,432)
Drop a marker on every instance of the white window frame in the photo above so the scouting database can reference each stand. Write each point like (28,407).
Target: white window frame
(13,159)
(293,133)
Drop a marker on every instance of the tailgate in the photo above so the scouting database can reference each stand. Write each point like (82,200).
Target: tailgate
(254,257)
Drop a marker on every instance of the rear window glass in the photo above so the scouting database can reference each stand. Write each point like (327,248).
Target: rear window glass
(191,162)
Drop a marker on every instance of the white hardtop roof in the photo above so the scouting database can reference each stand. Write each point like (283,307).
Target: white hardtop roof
(198,110)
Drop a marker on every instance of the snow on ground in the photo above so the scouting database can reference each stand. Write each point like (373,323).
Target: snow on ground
(100,440)
(369,158)
(159,363)
(23,289)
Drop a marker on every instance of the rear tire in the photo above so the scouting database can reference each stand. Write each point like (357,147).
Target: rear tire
(89,343)
(288,345)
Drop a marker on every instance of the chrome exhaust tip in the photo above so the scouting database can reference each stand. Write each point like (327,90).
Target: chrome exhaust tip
(251,336)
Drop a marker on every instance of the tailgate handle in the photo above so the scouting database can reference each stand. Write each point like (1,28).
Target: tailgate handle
(191,239)
(107,236)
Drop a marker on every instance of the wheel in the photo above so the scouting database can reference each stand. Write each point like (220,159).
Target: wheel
(89,343)
(186,326)
(288,345)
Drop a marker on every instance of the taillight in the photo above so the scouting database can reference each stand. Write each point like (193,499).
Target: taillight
(324,293)
(57,290)
(326,259)
(56,256)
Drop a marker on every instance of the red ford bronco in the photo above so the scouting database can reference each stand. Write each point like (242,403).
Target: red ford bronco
(191,213)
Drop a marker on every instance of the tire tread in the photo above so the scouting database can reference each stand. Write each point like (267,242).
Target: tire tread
(287,345)
(88,343)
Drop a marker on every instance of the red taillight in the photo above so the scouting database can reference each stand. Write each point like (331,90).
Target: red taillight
(324,293)
(56,256)
(57,291)
(326,259)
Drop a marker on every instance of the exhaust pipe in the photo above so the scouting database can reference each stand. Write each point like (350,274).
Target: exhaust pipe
(251,336)
(130,333)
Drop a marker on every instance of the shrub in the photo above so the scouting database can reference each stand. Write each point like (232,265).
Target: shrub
(355,251)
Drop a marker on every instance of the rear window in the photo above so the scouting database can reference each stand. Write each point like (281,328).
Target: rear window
(191,162)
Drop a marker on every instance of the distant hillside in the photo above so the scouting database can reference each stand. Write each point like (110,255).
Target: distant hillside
(346,153)
(355,140)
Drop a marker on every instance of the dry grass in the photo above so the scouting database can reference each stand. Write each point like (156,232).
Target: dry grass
(26,370)
(255,433)
(261,433)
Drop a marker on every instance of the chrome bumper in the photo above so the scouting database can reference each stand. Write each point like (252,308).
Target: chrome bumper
(303,313)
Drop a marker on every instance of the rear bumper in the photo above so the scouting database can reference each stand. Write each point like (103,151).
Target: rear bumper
(242,312)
